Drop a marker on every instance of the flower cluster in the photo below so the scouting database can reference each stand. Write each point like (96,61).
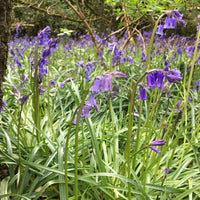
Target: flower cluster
(155,78)
(170,22)
(159,142)
(101,83)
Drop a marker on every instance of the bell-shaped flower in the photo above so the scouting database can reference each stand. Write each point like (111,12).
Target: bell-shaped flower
(142,96)
(159,142)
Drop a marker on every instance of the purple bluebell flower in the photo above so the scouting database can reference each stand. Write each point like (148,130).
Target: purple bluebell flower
(17,62)
(23,99)
(190,51)
(116,56)
(130,60)
(61,85)
(46,53)
(52,82)
(106,83)
(44,34)
(92,102)
(135,115)
(177,103)
(85,111)
(75,120)
(179,50)
(17,28)
(22,85)
(159,30)
(178,14)
(142,96)
(155,80)
(15,90)
(117,74)
(69,79)
(87,75)
(154,149)
(167,171)
(166,65)
(170,23)
(41,90)
(143,57)
(24,78)
(3,104)
(80,63)
(96,86)
(196,84)
(173,78)
(150,81)
(159,77)
(158,142)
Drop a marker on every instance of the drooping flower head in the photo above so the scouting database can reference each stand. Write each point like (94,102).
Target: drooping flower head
(159,142)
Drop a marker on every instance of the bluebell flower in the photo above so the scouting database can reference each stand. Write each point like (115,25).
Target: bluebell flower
(159,30)
(177,103)
(179,50)
(43,34)
(116,56)
(23,99)
(61,85)
(75,120)
(3,104)
(143,57)
(85,111)
(15,90)
(196,84)
(158,142)
(17,62)
(155,80)
(41,90)
(17,28)
(96,86)
(150,81)
(69,79)
(166,65)
(142,96)
(52,82)
(166,172)
(170,23)
(106,83)
(92,102)
(178,14)
(172,78)
(130,60)
(154,149)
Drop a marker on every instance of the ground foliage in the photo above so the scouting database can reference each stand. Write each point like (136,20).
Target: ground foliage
(114,124)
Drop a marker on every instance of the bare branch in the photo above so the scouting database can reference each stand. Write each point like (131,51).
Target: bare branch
(51,14)
(81,16)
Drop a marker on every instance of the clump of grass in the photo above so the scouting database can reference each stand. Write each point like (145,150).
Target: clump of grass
(71,130)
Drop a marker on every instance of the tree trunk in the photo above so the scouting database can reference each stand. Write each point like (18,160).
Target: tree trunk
(5,21)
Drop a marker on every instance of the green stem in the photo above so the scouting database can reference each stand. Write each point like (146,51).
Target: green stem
(151,43)
(36,94)
(130,125)
(76,147)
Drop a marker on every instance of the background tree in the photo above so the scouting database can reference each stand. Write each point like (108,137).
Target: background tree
(5,21)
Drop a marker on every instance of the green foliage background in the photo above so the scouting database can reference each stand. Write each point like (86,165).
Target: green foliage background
(102,16)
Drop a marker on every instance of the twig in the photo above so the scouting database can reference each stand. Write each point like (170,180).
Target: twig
(82,17)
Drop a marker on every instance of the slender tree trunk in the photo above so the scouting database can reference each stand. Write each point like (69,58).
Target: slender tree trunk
(5,21)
